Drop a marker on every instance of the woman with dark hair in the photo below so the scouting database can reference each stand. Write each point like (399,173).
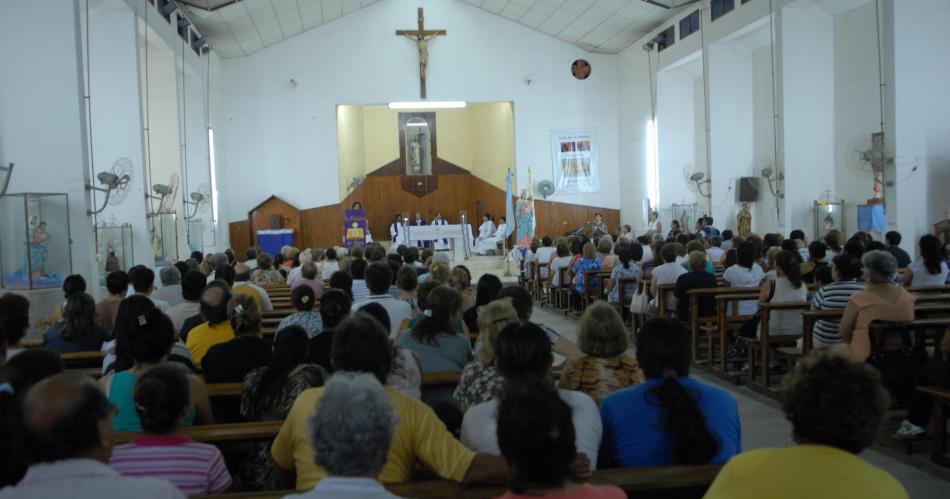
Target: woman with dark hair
(334,307)
(833,241)
(745,274)
(931,269)
(407,282)
(405,375)
(846,281)
(792,247)
(16,377)
(489,285)
(268,394)
(786,288)
(670,418)
(73,284)
(303,300)
(536,436)
(149,341)
(434,339)
(117,356)
(14,321)
(162,404)
(629,256)
(855,246)
(835,406)
(77,331)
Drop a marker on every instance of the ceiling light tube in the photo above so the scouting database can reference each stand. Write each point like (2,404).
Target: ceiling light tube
(427,105)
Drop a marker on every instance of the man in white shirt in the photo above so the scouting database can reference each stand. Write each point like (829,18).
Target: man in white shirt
(667,273)
(358,272)
(545,254)
(143,283)
(170,292)
(715,251)
(191,286)
(378,279)
(523,355)
(69,438)
(250,255)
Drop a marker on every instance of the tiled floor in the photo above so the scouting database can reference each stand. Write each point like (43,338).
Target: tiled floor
(764,425)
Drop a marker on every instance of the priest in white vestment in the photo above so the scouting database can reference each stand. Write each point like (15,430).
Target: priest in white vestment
(395,230)
(490,243)
(485,231)
(440,244)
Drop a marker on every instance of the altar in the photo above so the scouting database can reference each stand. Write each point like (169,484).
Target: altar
(459,235)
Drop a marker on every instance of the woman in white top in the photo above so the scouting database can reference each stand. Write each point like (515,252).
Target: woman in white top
(561,261)
(745,274)
(931,269)
(653,222)
(667,273)
(331,264)
(787,287)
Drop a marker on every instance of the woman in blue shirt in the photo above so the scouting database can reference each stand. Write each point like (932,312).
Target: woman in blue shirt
(671,418)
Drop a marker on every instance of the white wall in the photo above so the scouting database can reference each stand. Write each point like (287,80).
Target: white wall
(42,119)
(731,126)
(809,118)
(116,115)
(922,68)
(634,114)
(267,126)
(676,122)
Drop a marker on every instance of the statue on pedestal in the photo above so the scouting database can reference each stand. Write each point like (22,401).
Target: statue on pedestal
(744,221)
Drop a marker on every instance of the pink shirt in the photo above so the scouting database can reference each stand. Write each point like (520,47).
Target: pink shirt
(195,468)
(314,284)
(586,491)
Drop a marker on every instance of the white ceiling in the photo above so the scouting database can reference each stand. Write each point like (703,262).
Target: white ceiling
(607,26)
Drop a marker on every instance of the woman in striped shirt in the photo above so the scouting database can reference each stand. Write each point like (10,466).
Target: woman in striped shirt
(162,450)
(834,296)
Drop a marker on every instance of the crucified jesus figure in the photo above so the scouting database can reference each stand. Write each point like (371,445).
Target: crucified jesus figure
(422,36)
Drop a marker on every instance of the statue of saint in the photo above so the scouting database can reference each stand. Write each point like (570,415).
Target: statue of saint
(524,210)
(37,245)
(744,221)
(829,222)
(415,152)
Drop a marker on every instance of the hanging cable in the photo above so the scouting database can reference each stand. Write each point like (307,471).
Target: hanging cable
(87,98)
(705,64)
(880,60)
(775,120)
(147,128)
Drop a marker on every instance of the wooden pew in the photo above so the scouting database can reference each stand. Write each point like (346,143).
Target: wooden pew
(666,481)
(77,360)
(940,397)
(929,289)
(765,341)
(661,291)
(696,321)
(624,300)
(217,433)
(727,322)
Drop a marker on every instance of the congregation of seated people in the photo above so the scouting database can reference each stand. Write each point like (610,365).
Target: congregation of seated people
(335,345)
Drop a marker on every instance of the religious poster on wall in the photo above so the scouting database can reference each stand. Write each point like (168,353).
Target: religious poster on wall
(354,228)
(574,154)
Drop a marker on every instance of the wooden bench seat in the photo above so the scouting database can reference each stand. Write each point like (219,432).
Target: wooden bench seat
(666,481)
(216,433)
(766,341)
(941,402)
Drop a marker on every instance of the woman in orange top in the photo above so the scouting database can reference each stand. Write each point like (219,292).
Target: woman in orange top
(881,299)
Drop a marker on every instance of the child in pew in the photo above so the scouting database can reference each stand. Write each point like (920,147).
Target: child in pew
(163,451)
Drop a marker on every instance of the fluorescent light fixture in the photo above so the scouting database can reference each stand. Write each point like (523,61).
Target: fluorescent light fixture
(214,177)
(417,124)
(451,104)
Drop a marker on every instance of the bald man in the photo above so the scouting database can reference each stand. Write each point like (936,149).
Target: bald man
(216,328)
(244,286)
(68,425)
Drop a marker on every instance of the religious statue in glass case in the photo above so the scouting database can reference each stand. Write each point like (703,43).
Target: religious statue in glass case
(418,147)
(34,241)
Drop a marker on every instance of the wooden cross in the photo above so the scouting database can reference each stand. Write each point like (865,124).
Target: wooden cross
(422,36)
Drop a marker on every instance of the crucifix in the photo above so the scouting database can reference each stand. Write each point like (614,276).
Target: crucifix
(422,36)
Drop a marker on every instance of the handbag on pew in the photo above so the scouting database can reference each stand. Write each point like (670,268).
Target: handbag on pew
(640,302)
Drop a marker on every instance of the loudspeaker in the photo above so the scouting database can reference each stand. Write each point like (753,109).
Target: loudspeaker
(747,189)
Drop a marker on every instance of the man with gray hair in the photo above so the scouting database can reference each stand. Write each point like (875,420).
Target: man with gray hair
(68,427)
(351,434)
(170,292)
(244,286)
(303,257)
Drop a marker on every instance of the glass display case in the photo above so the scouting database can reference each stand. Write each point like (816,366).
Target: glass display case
(686,215)
(114,250)
(164,238)
(829,215)
(34,241)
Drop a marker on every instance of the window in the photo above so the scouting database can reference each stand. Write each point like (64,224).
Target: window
(196,42)
(720,8)
(689,24)
(666,38)
(165,9)
(183,27)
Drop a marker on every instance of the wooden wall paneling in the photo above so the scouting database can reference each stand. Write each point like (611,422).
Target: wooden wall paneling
(240,235)
(260,217)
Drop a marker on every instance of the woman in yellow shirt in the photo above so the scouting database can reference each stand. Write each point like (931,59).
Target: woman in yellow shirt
(835,406)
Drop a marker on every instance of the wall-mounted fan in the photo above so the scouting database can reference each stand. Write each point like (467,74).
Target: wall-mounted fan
(764,167)
(696,181)
(165,194)
(866,153)
(200,199)
(116,183)
(545,188)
